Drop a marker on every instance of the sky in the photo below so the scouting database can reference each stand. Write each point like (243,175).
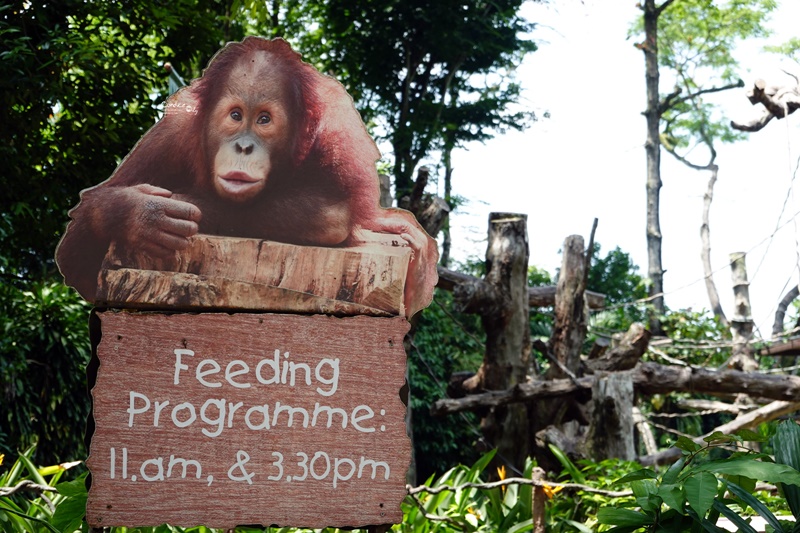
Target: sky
(587,160)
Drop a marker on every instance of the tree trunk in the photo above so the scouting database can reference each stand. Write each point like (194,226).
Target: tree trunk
(655,270)
(705,237)
(780,313)
(444,259)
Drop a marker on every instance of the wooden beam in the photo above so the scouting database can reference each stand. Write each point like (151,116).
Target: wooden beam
(648,378)
(544,296)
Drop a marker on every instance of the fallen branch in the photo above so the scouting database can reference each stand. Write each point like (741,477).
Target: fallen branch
(537,296)
(749,420)
(516,481)
(26,484)
(648,378)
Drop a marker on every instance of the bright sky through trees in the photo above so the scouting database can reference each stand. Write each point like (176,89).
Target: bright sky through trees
(587,160)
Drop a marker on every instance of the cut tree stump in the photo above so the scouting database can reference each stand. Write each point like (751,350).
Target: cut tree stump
(228,273)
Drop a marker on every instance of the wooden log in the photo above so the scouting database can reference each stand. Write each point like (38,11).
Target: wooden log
(625,354)
(251,274)
(539,500)
(544,296)
(648,378)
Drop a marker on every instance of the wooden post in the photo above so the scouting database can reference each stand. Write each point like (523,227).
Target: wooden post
(569,325)
(611,429)
(501,299)
(539,500)
(742,321)
(507,333)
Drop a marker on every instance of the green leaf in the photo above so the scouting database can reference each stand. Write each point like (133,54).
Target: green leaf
(756,505)
(719,437)
(613,516)
(644,473)
(744,526)
(568,465)
(686,444)
(69,513)
(748,484)
(743,466)
(751,436)
(646,493)
(76,487)
(673,496)
(671,475)
(526,525)
(700,489)
(577,525)
(480,465)
(787,451)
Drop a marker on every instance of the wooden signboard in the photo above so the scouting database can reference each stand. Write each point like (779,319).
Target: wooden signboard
(265,419)
(257,191)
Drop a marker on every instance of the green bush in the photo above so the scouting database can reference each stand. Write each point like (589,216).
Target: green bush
(44,349)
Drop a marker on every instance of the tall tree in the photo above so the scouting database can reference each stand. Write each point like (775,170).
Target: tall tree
(428,73)
(77,84)
(694,41)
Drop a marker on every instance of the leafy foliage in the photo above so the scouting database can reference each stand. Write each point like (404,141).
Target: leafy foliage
(695,490)
(54,513)
(444,343)
(44,348)
(430,71)
(77,86)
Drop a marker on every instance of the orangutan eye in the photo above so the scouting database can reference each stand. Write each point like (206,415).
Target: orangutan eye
(236,115)
(264,118)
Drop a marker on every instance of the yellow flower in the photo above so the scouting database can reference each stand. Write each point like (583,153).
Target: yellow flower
(501,473)
(2,456)
(474,512)
(551,490)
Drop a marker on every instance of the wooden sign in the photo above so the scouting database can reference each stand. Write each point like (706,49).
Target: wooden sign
(267,419)
(257,191)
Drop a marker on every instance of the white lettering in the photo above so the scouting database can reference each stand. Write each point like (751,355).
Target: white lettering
(185,464)
(330,410)
(374,464)
(333,380)
(157,413)
(179,365)
(264,410)
(355,419)
(291,410)
(274,364)
(188,421)
(158,462)
(219,420)
(201,374)
(132,410)
(230,374)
